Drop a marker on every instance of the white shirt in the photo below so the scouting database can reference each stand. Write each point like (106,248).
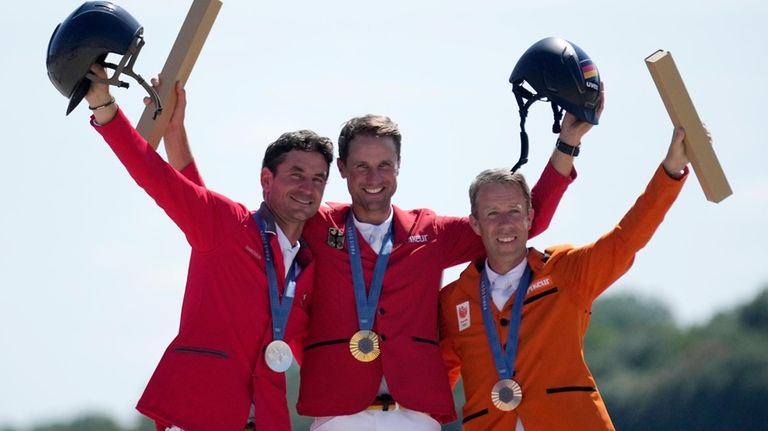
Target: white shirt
(289,254)
(504,285)
(373,233)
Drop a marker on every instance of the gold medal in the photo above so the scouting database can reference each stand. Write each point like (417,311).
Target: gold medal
(506,395)
(278,356)
(364,346)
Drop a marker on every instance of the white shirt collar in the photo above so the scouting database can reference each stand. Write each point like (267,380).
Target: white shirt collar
(289,251)
(373,233)
(504,285)
(514,273)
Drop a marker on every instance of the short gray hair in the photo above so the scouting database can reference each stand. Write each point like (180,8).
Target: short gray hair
(498,176)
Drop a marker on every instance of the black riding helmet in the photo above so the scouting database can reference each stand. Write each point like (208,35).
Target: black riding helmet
(561,73)
(87,36)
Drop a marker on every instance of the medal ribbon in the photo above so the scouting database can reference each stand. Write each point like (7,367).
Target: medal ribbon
(366,304)
(280,309)
(504,361)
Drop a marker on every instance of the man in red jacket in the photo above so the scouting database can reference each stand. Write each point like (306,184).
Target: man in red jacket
(371,358)
(513,324)
(249,281)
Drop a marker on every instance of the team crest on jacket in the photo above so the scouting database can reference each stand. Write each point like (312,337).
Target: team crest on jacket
(335,238)
(462,312)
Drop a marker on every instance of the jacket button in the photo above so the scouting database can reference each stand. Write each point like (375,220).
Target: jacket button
(504,322)
(381,311)
(383,337)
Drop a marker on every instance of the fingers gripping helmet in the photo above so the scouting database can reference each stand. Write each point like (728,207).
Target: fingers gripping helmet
(563,74)
(87,36)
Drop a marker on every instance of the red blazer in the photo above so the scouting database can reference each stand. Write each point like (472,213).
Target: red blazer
(214,369)
(332,381)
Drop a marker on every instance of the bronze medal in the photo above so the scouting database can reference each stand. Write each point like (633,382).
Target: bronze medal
(364,346)
(506,395)
(278,356)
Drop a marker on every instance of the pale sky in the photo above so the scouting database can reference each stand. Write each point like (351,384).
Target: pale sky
(93,271)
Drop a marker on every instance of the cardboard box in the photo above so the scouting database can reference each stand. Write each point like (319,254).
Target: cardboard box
(178,66)
(682,112)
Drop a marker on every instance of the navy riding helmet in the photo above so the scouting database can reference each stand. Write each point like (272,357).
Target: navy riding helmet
(87,36)
(561,73)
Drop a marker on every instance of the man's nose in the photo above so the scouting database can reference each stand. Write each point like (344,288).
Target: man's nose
(306,185)
(373,175)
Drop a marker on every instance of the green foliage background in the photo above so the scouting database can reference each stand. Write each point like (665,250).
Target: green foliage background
(653,374)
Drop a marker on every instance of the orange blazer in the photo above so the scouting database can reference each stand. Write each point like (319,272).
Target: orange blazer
(559,391)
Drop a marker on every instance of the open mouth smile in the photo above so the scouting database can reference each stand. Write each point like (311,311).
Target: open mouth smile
(301,201)
(373,191)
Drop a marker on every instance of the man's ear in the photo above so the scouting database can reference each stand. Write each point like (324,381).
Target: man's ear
(342,167)
(266,179)
(475,224)
(530,218)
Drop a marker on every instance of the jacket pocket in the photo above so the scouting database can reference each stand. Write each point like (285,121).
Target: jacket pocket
(540,295)
(424,340)
(326,343)
(474,415)
(571,389)
(201,351)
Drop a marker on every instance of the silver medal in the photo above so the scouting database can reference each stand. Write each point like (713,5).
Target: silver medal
(278,356)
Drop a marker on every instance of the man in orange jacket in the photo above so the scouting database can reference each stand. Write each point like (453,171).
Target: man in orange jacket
(518,350)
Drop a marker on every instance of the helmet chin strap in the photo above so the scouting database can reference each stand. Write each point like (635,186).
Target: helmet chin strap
(557,112)
(521,94)
(126,67)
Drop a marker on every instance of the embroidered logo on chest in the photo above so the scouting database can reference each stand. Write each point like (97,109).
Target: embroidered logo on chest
(417,238)
(462,312)
(538,284)
(335,238)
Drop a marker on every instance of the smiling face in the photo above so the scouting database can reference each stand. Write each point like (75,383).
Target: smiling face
(501,217)
(294,191)
(371,169)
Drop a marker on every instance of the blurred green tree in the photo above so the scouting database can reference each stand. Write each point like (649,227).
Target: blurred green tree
(712,377)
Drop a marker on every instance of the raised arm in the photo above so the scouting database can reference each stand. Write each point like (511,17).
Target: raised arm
(597,265)
(175,137)
(676,161)
(559,172)
(194,209)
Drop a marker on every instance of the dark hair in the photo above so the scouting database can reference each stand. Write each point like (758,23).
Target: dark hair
(498,176)
(368,125)
(302,140)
